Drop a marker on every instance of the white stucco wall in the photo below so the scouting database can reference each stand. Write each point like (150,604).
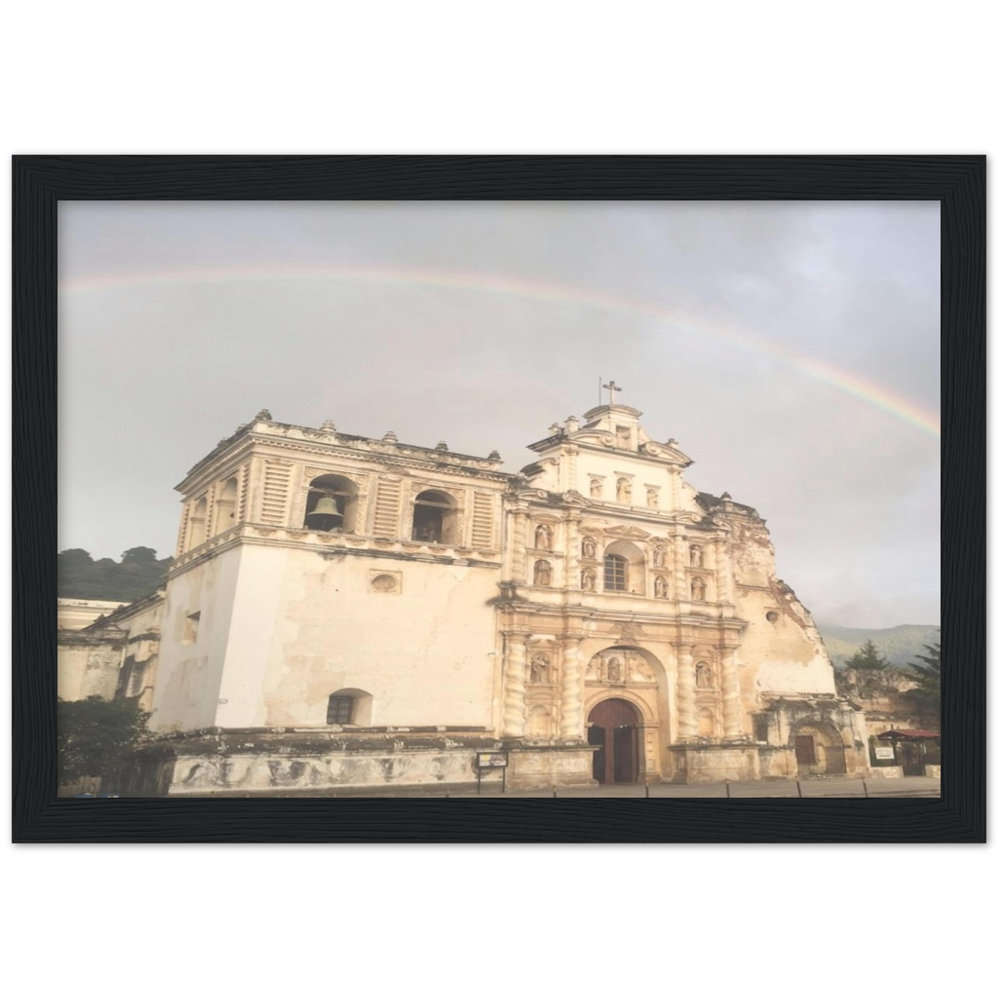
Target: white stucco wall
(282,629)
(306,626)
(190,672)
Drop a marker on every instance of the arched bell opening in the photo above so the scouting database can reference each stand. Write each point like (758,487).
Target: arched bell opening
(331,504)
(435,518)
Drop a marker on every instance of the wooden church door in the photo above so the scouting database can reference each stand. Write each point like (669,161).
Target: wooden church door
(613,727)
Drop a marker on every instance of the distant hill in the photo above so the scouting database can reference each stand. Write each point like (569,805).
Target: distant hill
(899,645)
(137,574)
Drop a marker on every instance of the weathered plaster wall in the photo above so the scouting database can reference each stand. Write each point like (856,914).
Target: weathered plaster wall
(88,664)
(308,624)
(192,653)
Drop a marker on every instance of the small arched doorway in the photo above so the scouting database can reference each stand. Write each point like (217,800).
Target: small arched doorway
(613,727)
(818,749)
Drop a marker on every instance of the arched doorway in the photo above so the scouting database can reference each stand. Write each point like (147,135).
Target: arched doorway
(818,749)
(613,727)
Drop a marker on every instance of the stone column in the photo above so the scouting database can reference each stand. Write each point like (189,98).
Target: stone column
(513,682)
(732,710)
(572,560)
(722,582)
(519,545)
(679,554)
(686,725)
(571,720)
(569,468)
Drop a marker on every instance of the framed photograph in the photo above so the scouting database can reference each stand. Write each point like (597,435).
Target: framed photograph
(441,568)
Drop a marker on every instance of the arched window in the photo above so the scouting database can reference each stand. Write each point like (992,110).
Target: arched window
(340,710)
(615,572)
(349,707)
(435,518)
(198,525)
(331,504)
(626,572)
(225,507)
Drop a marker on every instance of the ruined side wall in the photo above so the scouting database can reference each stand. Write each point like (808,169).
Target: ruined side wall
(88,665)
(782,650)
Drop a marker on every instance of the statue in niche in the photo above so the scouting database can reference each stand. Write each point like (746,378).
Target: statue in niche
(614,670)
(698,589)
(588,578)
(624,491)
(596,488)
(543,537)
(588,547)
(623,438)
(660,586)
(543,573)
(652,498)
(659,556)
(539,669)
(696,555)
(703,676)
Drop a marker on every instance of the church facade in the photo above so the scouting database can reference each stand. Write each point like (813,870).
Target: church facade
(357,613)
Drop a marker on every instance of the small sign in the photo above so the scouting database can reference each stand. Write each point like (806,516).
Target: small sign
(491,760)
(885,753)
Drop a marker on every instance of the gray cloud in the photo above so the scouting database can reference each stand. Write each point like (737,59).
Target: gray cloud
(153,375)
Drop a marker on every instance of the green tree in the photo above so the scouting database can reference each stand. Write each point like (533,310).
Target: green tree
(95,735)
(929,674)
(139,573)
(868,658)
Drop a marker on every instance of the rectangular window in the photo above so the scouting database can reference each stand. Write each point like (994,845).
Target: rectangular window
(191,629)
(614,573)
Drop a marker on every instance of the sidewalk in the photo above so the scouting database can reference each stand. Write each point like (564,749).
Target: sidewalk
(812,788)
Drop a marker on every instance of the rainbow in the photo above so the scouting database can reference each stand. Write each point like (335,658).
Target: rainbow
(863,389)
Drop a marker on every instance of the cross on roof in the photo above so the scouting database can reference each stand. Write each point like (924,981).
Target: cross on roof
(612,389)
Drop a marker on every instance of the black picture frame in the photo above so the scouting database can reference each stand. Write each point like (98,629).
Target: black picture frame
(957,182)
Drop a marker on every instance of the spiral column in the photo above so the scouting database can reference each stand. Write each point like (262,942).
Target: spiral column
(571,724)
(732,711)
(685,693)
(513,681)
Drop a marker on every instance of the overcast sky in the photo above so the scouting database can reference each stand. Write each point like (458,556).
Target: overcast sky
(790,348)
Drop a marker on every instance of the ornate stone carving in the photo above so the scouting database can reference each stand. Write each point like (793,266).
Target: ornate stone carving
(685,695)
(627,631)
(620,666)
(513,703)
(543,538)
(732,714)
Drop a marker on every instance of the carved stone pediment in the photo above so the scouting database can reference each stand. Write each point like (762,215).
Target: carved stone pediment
(619,666)
(627,631)
(664,451)
(630,532)
(603,440)
(530,494)
(574,499)
(686,517)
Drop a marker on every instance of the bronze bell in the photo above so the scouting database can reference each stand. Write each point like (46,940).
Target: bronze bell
(326,505)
